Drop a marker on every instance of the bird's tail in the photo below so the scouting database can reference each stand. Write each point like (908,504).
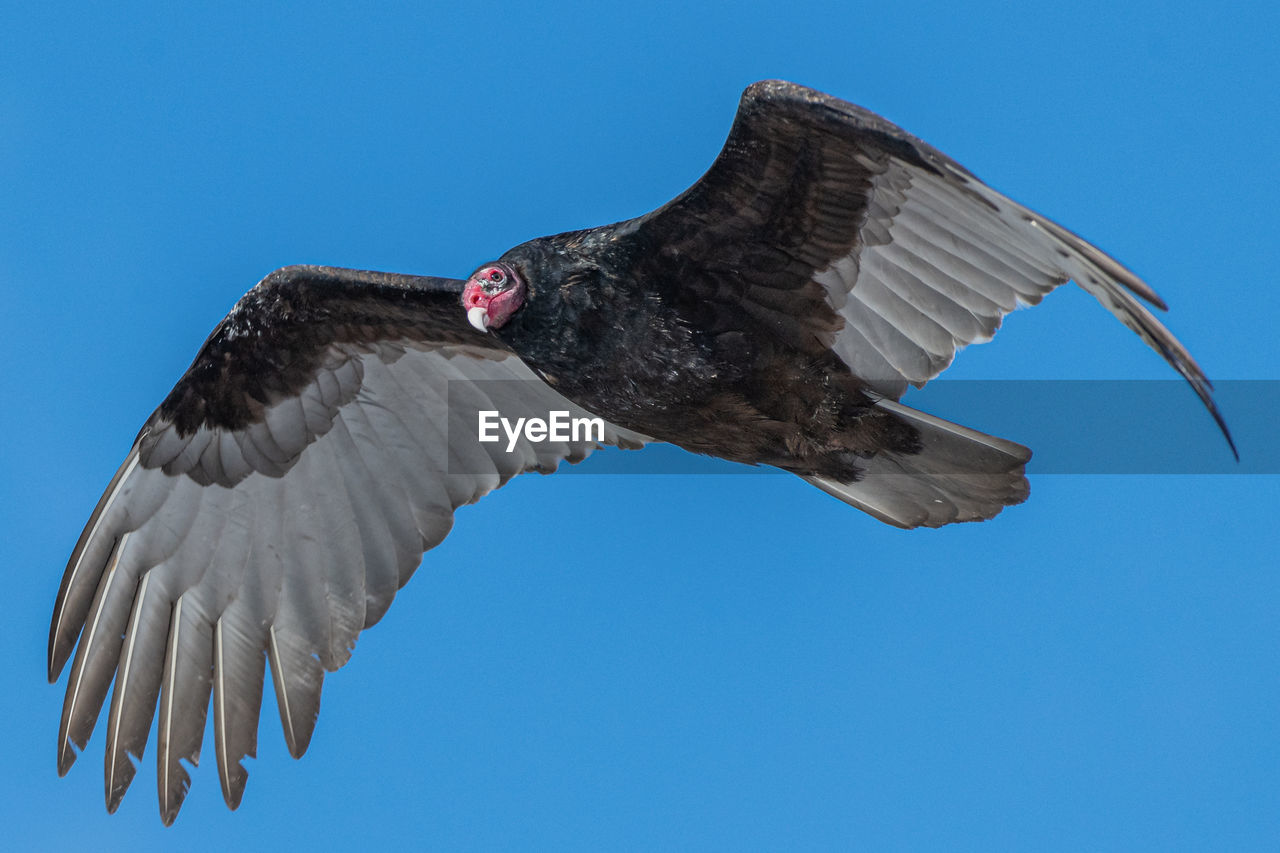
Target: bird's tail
(959,474)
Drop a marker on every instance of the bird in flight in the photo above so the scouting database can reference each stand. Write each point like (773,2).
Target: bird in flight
(772,314)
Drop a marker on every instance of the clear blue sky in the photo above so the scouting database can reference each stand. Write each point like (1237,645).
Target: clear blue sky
(720,662)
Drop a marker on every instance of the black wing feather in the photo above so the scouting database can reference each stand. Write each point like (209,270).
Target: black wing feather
(270,344)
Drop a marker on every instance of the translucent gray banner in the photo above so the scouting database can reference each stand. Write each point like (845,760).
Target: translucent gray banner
(1072,426)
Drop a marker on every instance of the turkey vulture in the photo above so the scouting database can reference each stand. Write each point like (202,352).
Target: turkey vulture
(772,314)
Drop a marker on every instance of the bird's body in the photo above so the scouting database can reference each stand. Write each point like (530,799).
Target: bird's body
(637,351)
(772,314)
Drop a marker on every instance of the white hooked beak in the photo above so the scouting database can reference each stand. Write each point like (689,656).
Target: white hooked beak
(479,317)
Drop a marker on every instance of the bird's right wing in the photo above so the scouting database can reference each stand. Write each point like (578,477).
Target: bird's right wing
(274,504)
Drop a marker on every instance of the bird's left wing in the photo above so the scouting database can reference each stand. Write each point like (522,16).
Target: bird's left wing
(834,229)
(272,506)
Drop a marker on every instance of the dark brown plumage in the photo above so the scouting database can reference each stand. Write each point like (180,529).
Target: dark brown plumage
(320,441)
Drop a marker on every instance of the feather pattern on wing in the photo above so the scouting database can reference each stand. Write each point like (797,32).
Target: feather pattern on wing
(912,254)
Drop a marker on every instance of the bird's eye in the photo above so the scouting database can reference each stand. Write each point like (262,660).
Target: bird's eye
(491,279)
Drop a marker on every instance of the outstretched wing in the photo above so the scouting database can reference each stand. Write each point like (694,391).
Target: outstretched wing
(834,228)
(271,507)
